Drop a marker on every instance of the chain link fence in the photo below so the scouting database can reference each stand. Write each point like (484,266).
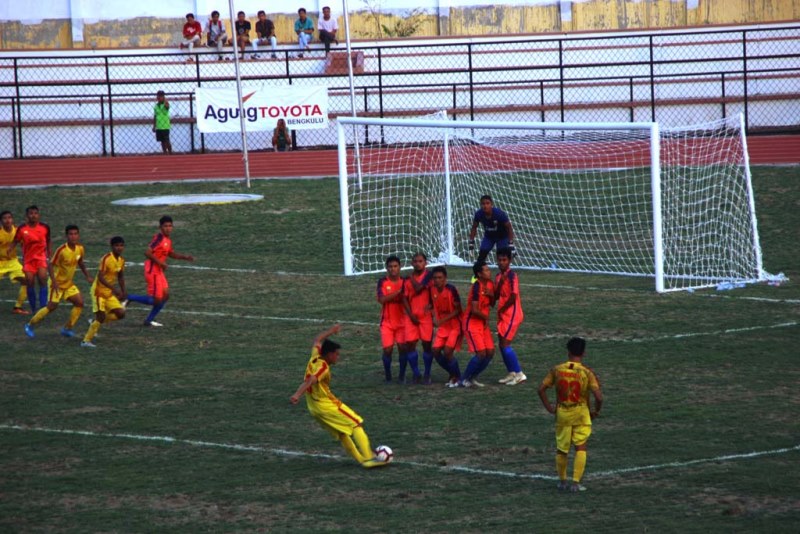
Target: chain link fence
(103,105)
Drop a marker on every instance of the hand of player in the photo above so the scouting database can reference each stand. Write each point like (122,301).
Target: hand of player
(471,245)
(294,399)
(335,329)
(594,415)
(513,250)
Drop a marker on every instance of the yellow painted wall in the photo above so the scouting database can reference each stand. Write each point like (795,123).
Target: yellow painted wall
(479,20)
(49,34)
(499,19)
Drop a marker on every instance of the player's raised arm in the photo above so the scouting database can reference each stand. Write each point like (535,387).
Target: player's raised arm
(322,336)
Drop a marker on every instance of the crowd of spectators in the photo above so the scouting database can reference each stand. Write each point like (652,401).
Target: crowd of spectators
(217,37)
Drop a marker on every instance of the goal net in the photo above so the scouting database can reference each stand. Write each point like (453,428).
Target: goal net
(619,198)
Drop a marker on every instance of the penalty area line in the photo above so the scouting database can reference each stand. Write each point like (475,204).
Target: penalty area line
(446,468)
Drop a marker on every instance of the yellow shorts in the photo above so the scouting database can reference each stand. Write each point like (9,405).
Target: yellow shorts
(12,269)
(105,304)
(335,419)
(63,294)
(567,435)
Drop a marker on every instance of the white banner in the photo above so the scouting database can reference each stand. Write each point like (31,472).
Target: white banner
(303,108)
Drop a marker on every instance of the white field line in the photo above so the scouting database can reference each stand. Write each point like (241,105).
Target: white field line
(168,311)
(445,468)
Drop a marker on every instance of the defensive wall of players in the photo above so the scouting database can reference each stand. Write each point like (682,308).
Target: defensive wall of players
(74,103)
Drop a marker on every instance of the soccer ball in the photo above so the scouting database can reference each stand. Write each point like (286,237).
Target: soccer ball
(384,453)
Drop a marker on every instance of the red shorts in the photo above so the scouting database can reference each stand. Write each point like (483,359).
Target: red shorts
(156,284)
(423,330)
(448,336)
(479,337)
(392,334)
(507,329)
(34,264)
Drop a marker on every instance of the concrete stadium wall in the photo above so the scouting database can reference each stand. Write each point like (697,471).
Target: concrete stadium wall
(93,24)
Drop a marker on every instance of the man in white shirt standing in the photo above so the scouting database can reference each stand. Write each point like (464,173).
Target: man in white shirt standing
(327,29)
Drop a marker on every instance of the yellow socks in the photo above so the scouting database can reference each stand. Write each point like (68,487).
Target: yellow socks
(22,296)
(578,466)
(362,441)
(41,314)
(351,449)
(561,466)
(93,328)
(74,315)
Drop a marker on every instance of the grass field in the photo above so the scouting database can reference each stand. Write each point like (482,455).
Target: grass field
(188,428)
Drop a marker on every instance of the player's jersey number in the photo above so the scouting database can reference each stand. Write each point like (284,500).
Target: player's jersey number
(568,390)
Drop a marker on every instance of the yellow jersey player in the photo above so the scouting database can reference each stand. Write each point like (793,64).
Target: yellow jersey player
(332,414)
(573,382)
(9,263)
(108,290)
(62,271)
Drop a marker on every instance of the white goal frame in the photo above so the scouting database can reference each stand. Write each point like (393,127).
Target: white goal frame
(450,258)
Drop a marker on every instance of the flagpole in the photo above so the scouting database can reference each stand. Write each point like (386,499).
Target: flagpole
(352,88)
(242,126)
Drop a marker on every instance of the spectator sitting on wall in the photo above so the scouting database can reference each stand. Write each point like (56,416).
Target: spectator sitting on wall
(281,137)
(215,30)
(265,30)
(242,32)
(304,29)
(327,27)
(191,33)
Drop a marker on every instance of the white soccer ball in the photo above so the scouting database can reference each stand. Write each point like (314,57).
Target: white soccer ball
(384,453)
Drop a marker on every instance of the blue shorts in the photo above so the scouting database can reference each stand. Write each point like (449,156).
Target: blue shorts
(487,243)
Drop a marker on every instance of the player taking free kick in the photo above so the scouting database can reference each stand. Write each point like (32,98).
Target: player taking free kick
(332,414)
(573,381)
(157,287)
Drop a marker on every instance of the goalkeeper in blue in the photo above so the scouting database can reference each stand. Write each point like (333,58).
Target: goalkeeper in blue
(333,415)
(497,230)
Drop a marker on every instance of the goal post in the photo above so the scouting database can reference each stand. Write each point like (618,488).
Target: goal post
(675,204)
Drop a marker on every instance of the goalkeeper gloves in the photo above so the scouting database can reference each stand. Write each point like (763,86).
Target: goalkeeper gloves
(471,245)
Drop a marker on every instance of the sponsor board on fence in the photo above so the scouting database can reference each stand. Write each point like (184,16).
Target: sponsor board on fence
(303,108)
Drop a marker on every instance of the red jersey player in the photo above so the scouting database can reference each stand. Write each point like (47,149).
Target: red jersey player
(35,238)
(509,316)
(447,317)
(476,324)
(418,319)
(390,296)
(157,253)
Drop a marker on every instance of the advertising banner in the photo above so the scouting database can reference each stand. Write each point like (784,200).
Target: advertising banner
(302,107)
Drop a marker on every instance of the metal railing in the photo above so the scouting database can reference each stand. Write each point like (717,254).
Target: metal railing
(102,105)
